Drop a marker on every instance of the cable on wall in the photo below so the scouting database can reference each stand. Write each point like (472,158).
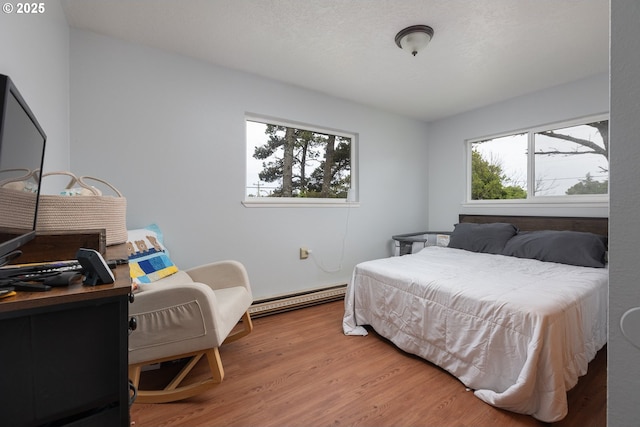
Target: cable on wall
(319,262)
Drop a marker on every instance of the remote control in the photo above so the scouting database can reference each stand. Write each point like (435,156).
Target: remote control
(30,287)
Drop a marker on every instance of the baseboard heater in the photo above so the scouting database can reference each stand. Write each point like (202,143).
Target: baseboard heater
(297,300)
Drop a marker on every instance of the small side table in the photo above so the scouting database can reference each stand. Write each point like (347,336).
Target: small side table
(405,244)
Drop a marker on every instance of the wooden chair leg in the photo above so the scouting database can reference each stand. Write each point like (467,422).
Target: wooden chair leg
(215,365)
(173,391)
(175,383)
(134,374)
(246,328)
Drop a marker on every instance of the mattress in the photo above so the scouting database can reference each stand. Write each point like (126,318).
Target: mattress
(519,332)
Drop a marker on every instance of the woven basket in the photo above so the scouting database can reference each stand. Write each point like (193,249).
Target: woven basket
(16,209)
(88,211)
(18,200)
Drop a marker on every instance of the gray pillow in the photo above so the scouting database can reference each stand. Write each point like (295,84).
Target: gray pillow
(487,238)
(566,247)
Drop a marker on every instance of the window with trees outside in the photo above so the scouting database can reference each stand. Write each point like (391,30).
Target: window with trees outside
(568,160)
(296,163)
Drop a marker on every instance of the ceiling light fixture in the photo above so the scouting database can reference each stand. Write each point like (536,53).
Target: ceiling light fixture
(414,38)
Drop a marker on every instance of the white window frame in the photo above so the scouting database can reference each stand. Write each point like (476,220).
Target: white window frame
(305,202)
(582,200)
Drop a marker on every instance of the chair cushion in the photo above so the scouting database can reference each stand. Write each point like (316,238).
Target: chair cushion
(148,258)
(178,278)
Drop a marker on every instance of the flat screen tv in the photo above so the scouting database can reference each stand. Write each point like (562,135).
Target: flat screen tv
(22,144)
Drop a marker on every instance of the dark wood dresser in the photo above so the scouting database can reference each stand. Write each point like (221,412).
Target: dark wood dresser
(63,354)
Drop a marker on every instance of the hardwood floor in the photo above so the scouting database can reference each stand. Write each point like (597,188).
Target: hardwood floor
(299,369)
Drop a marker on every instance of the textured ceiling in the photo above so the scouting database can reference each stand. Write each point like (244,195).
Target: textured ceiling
(483,51)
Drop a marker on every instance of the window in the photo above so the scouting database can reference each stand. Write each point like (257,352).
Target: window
(565,160)
(297,163)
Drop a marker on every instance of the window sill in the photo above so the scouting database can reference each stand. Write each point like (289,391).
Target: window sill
(591,202)
(546,203)
(283,202)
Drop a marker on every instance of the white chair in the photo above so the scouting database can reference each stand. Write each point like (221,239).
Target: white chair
(188,315)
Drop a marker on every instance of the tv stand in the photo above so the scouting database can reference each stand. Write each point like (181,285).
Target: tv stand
(63,357)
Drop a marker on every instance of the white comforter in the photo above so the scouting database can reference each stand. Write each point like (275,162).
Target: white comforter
(518,331)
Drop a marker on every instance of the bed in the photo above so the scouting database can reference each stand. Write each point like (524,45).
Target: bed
(515,307)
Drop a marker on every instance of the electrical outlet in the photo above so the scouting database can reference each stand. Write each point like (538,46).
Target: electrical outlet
(304,253)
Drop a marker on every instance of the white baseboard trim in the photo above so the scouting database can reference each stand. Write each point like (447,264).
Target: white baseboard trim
(297,300)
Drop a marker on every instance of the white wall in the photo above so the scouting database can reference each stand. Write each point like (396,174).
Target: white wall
(624,226)
(35,53)
(168,131)
(447,148)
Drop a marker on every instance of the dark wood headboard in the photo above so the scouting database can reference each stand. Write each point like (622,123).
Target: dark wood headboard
(531,223)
